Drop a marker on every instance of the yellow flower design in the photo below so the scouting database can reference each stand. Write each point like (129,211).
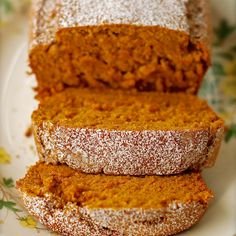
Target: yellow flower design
(228,85)
(28,222)
(5,158)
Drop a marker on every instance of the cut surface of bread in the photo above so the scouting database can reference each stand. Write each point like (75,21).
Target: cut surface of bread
(113,205)
(124,110)
(156,45)
(134,133)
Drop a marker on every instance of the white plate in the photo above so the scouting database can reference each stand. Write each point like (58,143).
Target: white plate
(16,106)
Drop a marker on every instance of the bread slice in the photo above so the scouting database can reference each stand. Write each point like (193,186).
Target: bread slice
(127,133)
(74,203)
(146,45)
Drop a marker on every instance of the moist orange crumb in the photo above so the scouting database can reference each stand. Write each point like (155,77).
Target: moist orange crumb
(145,58)
(130,110)
(102,191)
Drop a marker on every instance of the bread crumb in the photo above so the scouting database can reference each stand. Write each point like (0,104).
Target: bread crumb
(28,132)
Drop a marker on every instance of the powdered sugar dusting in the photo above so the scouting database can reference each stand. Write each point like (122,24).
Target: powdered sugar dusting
(168,13)
(126,152)
(49,15)
(73,220)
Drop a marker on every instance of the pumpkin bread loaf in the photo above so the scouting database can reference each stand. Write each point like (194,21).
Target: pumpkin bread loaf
(127,44)
(73,203)
(127,132)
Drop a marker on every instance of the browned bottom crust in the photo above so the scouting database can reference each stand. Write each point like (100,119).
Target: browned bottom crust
(72,220)
(127,152)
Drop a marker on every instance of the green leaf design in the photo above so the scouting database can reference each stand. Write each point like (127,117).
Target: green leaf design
(218,69)
(6,5)
(9,183)
(234,48)
(230,133)
(9,205)
(223,31)
(5,158)
(226,55)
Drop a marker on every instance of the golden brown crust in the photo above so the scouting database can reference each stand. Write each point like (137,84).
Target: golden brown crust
(200,22)
(72,220)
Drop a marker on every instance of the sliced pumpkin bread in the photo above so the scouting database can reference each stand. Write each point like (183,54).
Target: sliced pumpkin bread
(127,133)
(74,203)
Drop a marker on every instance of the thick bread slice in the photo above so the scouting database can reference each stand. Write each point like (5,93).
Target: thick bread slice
(75,204)
(127,133)
(127,44)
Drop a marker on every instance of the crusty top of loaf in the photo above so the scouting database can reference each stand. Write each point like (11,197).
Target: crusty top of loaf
(49,16)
